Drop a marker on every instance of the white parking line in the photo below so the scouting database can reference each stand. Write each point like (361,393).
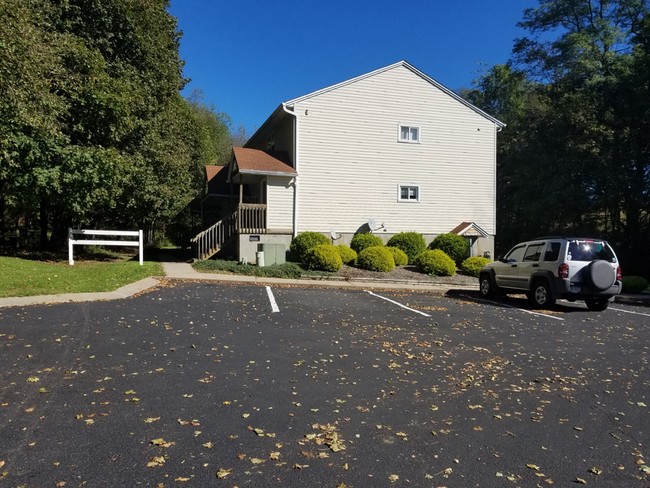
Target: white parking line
(398,304)
(630,311)
(517,308)
(274,305)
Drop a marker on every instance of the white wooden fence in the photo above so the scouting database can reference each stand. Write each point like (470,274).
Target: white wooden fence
(72,241)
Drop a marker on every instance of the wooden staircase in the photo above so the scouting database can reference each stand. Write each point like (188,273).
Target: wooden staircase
(247,219)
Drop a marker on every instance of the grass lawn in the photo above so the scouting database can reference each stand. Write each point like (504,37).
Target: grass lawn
(28,277)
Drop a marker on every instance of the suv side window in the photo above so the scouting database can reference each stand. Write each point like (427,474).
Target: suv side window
(533,252)
(515,255)
(552,251)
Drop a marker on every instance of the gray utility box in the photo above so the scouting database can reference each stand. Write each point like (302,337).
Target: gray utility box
(273,253)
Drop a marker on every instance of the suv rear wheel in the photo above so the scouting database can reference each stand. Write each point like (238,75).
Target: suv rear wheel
(597,304)
(540,294)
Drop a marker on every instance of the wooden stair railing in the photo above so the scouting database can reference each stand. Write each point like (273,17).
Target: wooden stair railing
(208,242)
(247,219)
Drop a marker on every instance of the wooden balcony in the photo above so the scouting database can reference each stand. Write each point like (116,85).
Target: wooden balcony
(251,218)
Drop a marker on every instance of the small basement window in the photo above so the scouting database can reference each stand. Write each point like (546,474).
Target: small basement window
(408,193)
(409,133)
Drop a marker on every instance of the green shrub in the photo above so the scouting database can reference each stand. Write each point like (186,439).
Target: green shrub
(436,262)
(348,256)
(399,256)
(411,243)
(324,257)
(472,266)
(303,242)
(453,245)
(361,241)
(634,284)
(376,258)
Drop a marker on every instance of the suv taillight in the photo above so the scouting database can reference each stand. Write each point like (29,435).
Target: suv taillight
(619,274)
(563,271)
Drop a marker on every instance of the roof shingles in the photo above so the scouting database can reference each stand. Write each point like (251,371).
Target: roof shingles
(255,161)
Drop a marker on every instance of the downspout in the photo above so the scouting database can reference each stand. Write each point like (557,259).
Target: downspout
(495,183)
(295,166)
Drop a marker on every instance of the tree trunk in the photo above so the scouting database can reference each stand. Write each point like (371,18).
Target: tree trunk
(43,223)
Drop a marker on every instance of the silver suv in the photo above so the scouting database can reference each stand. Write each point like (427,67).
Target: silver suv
(548,268)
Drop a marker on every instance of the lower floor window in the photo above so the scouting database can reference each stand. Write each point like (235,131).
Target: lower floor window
(409,193)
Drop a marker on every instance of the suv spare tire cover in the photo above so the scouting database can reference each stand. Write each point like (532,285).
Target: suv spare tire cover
(600,275)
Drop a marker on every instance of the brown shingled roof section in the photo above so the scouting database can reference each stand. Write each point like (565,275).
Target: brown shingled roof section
(257,161)
(212,170)
(460,227)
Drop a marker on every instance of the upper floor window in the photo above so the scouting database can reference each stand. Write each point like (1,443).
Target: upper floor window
(409,133)
(408,193)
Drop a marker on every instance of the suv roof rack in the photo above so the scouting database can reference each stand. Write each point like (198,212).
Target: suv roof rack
(569,238)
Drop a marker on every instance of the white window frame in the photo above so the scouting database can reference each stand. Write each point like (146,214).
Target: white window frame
(408,200)
(409,127)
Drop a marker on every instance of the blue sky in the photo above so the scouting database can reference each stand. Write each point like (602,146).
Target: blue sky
(248,56)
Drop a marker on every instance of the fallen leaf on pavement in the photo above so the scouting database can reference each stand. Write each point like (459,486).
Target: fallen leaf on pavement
(156,461)
(161,443)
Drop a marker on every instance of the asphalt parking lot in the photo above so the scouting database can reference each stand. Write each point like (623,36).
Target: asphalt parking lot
(206,384)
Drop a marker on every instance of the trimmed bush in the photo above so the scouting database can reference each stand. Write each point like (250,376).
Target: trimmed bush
(399,256)
(453,245)
(324,257)
(436,262)
(634,284)
(361,241)
(472,266)
(303,242)
(348,256)
(411,243)
(376,258)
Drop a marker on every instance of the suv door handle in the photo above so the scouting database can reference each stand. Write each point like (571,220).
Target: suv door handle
(513,265)
(535,265)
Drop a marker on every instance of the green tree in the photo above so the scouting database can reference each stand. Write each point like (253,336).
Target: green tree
(590,36)
(574,157)
(93,128)
(29,110)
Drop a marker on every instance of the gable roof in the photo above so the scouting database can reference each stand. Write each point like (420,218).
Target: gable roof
(257,162)
(455,96)
(212,170)
(469,229)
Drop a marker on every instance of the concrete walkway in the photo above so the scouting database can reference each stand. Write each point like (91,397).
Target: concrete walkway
(184,271)
(124,292)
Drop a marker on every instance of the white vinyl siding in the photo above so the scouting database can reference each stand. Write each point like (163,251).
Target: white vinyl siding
(279,197)
(350,164)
